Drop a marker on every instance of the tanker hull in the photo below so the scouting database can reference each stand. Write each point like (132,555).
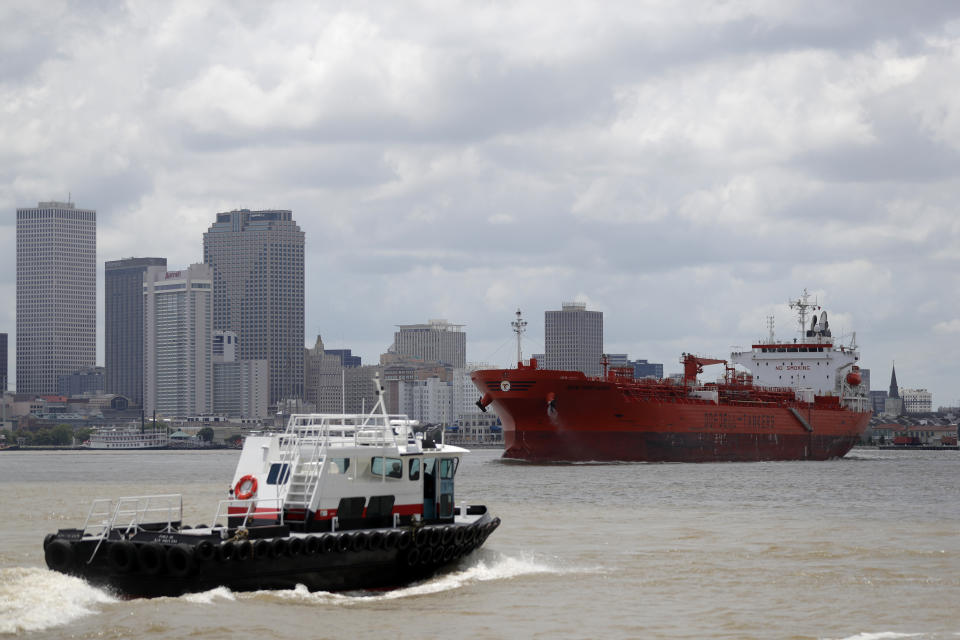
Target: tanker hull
(564,416)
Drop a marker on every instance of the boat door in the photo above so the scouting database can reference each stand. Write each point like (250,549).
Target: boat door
(447,469)
(429,488)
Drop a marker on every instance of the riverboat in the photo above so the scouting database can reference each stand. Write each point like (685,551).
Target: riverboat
(335,502)
(130,437)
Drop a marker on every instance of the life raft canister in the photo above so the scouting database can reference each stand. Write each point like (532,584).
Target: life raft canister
(246,488)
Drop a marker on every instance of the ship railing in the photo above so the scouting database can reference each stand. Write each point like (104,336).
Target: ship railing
(239,513)
(163,512)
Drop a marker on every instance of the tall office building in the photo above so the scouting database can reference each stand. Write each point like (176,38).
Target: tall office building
(239,386)
(436,341)
(3,362)
(573,339)
(123,325)
(56,294)
(257,262)
(178,341)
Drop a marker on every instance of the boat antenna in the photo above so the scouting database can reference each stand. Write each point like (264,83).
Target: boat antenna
(770,322)
(801,304)
(519,326)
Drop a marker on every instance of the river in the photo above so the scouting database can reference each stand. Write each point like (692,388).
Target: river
(866,547)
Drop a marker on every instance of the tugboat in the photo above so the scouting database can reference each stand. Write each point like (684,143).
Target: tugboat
(336,502)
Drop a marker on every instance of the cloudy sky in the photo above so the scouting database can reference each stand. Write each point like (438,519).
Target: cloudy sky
(686,168)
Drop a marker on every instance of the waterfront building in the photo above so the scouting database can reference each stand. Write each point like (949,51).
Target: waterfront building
(917,400)
(178,341)
(56,293)
(239,386)
(428,401)
(123,325)
(878,401)
(88,381)
(324,378)
(257,258)
(644,369)
(436,341)
(360,392)
(3,362)
(573,339)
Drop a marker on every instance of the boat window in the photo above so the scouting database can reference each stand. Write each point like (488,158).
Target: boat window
(338,465)
(393,468)
(448,467)
(279,471)
(414,469)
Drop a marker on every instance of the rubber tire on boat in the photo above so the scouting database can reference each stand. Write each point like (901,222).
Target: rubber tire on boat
(59,555)
(422,537)
(264,549)
(436,536)
(413,557)
(449,553)
(295,547)
(244,551)
(361,541)
(201,526)
(281,547)
(328,543)
(426,555)
(344,542)
(180,560)
(405,540)
(226,551)
(150,558)
(205,551)
(122,556)
(375,540)
(47,539)
(459,535)
(311,546)
(448,533)
(390,539)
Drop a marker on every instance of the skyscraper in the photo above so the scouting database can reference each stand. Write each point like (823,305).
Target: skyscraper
(123,325)
(178,341)
(573,339)
(56,294)
(257,262)
(3,362)
(436,341)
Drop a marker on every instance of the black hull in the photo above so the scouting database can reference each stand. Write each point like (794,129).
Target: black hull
(171,564)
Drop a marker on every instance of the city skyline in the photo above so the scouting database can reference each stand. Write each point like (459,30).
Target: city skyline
(686,177)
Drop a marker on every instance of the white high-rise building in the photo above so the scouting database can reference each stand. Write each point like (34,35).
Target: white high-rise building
(178,341)
(573,339)
(428,401)
(56,294)
(917,400)
(436,341)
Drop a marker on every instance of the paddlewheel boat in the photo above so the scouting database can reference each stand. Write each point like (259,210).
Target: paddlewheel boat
(335,502)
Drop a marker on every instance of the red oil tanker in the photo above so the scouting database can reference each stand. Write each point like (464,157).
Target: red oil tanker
(803,400)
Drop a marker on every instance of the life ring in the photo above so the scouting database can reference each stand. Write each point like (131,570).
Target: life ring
(251,488)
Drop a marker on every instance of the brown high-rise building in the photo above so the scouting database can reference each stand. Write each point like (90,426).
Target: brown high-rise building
(258,291)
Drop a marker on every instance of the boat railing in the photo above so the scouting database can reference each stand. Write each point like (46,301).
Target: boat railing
(163,512)
(247,510)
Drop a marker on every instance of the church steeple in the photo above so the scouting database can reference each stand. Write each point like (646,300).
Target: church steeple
(894,389)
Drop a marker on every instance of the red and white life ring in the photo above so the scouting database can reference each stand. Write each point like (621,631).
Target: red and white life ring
(246,488)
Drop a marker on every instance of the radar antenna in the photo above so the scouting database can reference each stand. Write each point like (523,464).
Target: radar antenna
(519,327)
(770,322)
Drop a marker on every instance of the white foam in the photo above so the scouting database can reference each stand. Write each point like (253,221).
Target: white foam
(883,635)
(33,599)
(209,597)
(482,567)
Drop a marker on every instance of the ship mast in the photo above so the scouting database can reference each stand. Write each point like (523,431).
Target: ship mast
(519,326)
(801,304)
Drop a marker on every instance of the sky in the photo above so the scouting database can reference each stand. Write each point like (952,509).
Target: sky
(684,167)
